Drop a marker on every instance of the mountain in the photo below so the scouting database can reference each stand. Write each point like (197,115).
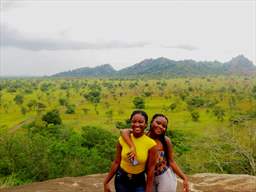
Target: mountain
(166,67)
(239,64)
(102,70)
(163,67)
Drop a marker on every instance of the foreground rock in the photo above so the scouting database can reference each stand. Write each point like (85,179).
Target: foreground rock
(203,182)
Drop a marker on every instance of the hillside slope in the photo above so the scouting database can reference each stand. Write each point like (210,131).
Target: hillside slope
(164,67)
(203,182)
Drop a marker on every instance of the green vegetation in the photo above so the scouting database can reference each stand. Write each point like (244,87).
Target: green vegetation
(69,127)
(139,103)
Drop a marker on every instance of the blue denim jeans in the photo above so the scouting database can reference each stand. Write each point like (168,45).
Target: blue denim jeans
(125,182)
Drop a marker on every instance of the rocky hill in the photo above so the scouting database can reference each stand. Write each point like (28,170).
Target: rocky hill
(203,182)
(99,71)
(163,67)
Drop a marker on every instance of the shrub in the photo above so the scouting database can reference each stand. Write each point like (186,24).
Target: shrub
(70,109)
(179,141)
(52,117)
(219,113)
(102,140)
(173,106)
(196,101)
(18,99)
(63,101)
(139,103)
(123,125)
(195,115)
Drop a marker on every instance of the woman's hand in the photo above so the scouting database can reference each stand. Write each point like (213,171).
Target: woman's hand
(185,185)
(132,154)
(106,188)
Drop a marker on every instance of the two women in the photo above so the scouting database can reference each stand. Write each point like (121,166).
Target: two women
(163,163)
(130,176)
(165,179)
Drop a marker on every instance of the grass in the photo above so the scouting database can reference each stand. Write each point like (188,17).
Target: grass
(122,105)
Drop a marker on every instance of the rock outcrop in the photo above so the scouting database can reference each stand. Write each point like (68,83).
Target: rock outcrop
(204,182)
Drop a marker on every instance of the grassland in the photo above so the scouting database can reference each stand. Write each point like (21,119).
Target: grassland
(117,95)
(221,138)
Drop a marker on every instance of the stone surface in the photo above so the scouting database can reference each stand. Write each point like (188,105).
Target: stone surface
(204,182)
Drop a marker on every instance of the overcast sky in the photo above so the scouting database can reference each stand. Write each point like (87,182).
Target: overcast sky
(46,37)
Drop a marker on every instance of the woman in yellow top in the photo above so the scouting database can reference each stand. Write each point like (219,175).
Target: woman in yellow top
(165,179)
(130,175)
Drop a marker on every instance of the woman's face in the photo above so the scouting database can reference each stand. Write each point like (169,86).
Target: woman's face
(138,125)
(159,125)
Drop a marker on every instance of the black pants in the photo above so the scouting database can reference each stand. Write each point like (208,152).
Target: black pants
(125,182)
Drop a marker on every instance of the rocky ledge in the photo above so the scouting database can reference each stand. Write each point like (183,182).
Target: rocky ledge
(203,182)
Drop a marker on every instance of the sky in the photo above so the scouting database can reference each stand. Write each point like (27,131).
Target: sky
(46,37)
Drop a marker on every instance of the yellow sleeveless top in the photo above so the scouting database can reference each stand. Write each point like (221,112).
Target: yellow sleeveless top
(142,144)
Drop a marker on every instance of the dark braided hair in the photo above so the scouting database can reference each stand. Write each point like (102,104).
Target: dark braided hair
(143,113)
(162,136)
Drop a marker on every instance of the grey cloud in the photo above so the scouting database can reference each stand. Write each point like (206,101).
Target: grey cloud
(182,46)
(10,4)
(13,38)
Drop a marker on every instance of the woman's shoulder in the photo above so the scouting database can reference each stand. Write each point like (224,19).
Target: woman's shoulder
(149,140)
(167,139)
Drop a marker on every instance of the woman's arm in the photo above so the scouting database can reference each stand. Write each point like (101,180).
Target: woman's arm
(175,167)
(114,168)
(126,135)
(151,163)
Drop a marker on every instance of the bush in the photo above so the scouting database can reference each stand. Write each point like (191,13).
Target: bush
(93,96)
(123,125)
(195,115)
(63,101)
(173,106)
(179,141)
(18,99)
(70,109)
(219,113)
(52,117)
(46,154)
(139,103)
(196,101)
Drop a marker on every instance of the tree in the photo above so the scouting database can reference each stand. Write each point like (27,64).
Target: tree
(1,98)
(194,115)
(70,109)
(40,107)
(94,97)
(123,124)
(232,102)
(147,93)
(139,103)
(23,110)
(31,104)
(173,106)
(196,101)
(109,114)
(18,99)
(85,110)
(63,101)
(219,113)
(52,117)
(45,87)
(254,91)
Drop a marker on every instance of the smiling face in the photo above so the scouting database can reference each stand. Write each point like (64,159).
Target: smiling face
(159,125)
(138,124)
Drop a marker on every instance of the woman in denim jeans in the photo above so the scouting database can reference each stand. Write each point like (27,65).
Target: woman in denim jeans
(166,168)
(130,174)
